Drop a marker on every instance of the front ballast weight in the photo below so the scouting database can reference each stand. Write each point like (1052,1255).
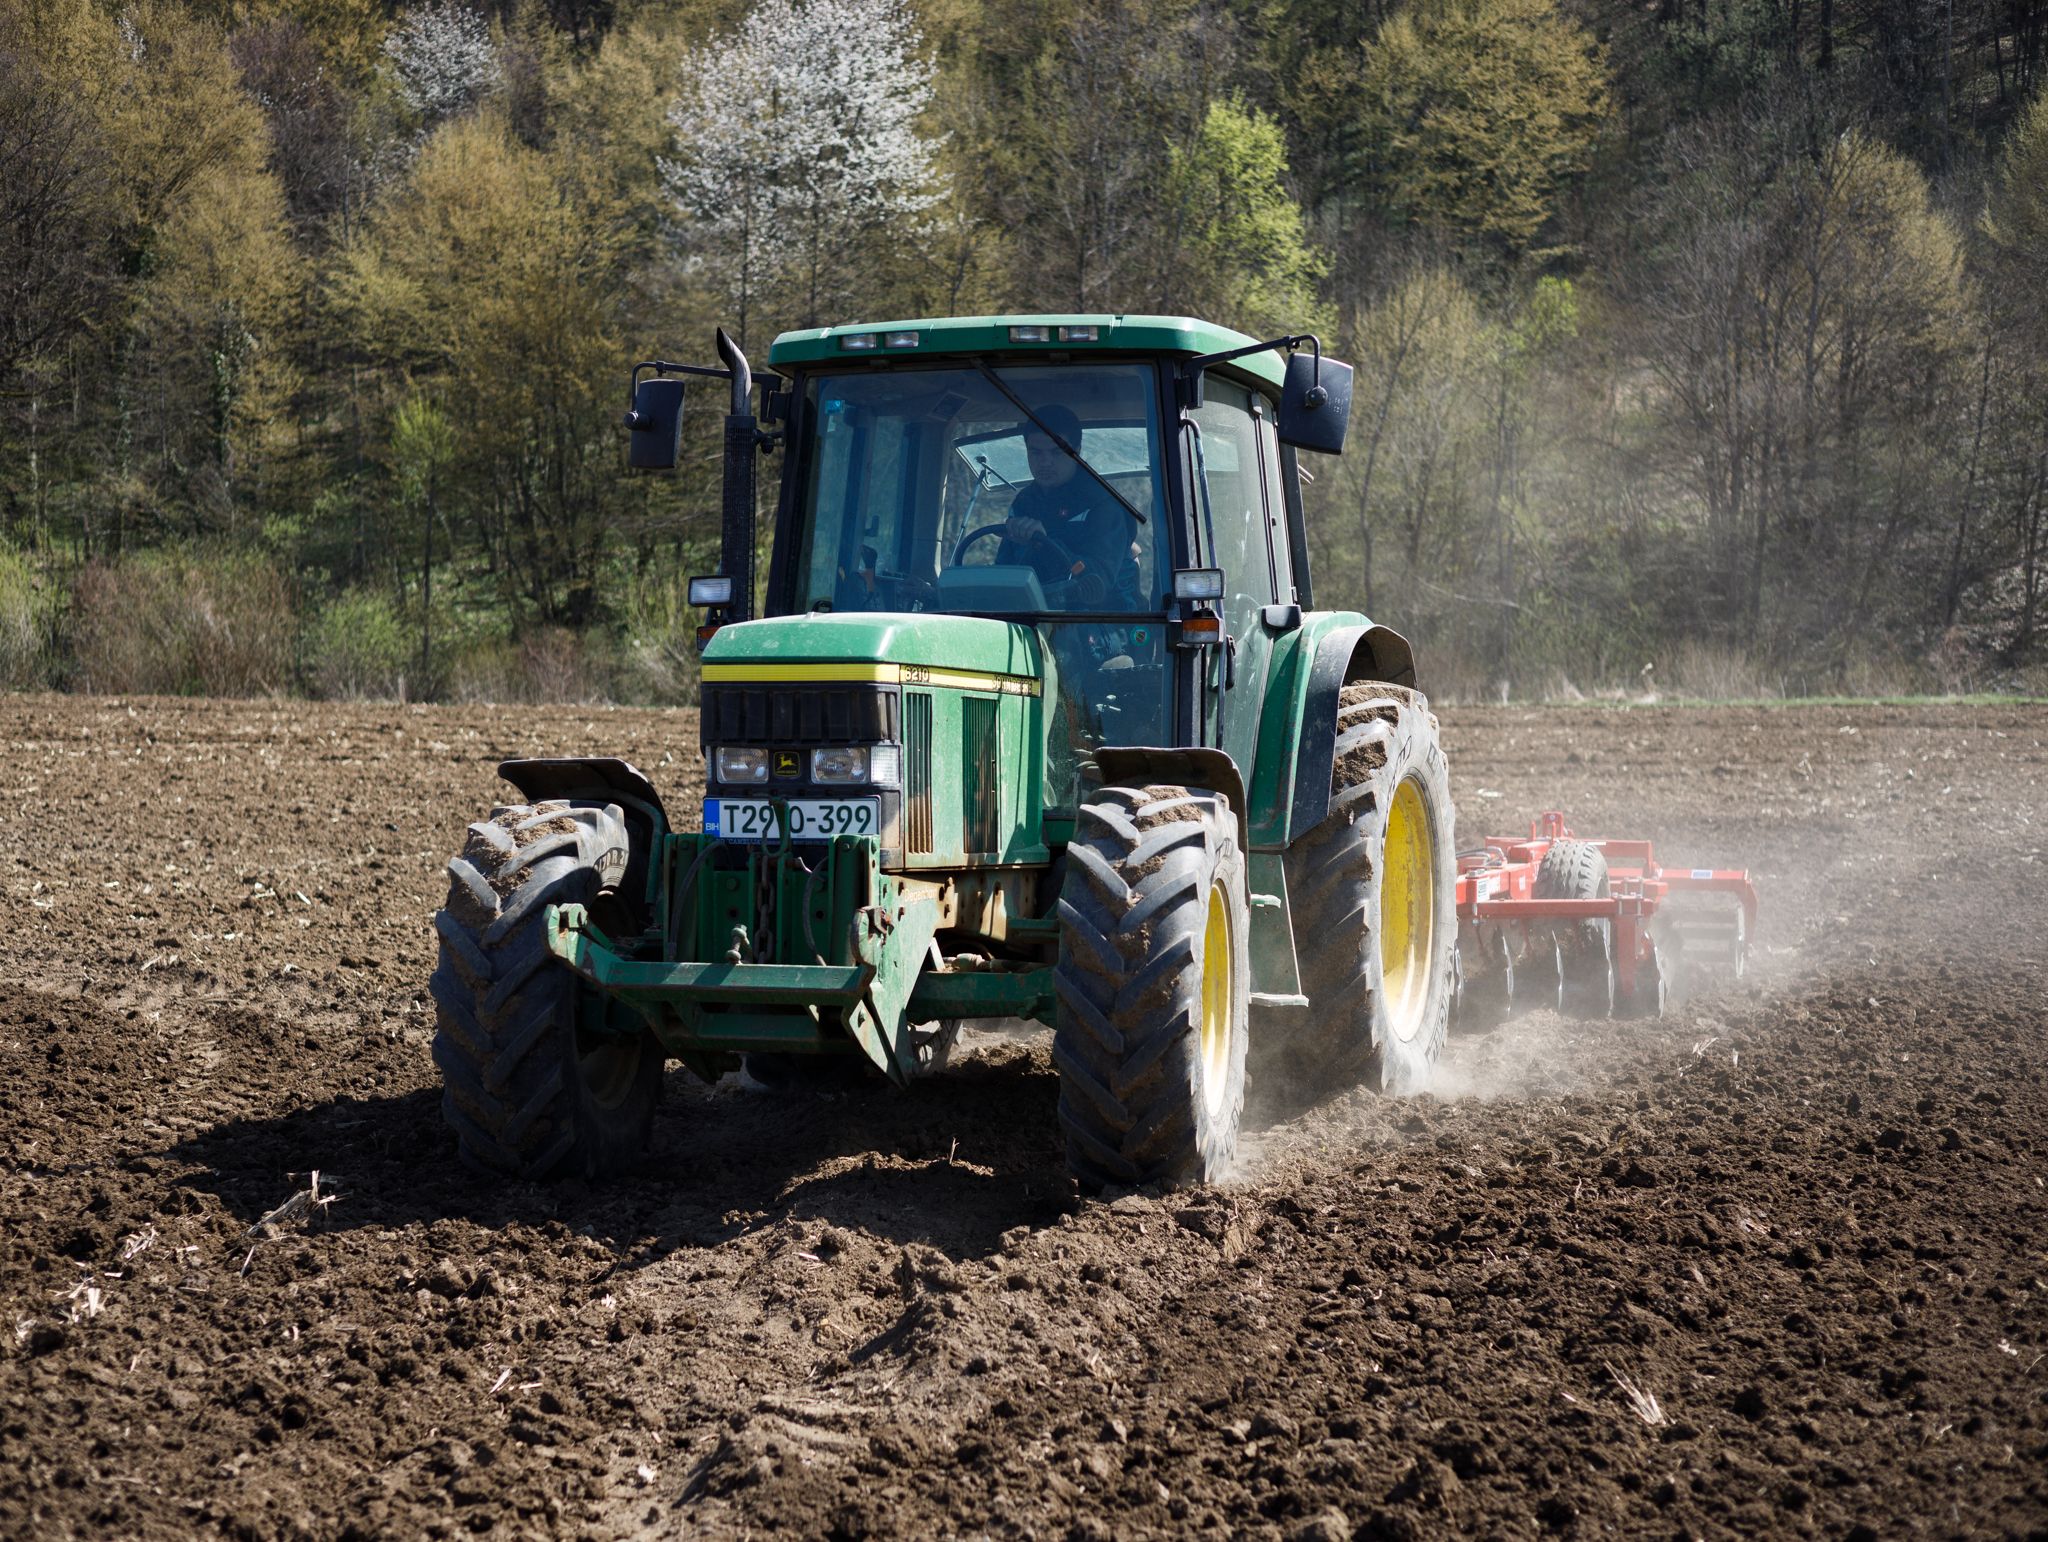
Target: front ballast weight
(1592,928)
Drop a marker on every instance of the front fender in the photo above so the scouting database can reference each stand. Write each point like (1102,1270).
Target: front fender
(1210,769)
(602,779)
(1290,787)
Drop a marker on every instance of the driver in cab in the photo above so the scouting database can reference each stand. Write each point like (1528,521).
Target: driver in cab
(1066,526)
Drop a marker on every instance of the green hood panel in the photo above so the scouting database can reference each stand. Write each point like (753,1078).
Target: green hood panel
(921,641)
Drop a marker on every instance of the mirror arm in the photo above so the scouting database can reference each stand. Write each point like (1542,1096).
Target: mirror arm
(663,367)
(774,397)
(1191,369)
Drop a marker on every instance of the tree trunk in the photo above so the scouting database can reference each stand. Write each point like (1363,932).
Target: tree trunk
(2031,511)
(1953,597)
(427,589)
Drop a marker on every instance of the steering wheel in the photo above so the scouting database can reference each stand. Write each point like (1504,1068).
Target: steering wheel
(893,591)
(960,547)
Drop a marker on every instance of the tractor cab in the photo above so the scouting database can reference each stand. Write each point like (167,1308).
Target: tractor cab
(1121,486)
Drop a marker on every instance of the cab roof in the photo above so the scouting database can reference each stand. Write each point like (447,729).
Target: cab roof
(952,335)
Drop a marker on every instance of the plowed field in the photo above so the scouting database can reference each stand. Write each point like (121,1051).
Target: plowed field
(1807,1217)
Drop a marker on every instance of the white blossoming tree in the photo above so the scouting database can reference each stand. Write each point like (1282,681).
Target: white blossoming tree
(443,58)
(795,136)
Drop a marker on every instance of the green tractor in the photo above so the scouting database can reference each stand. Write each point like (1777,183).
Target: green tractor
(1037,721)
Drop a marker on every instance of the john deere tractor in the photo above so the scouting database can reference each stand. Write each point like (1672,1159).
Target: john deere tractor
(1032,717)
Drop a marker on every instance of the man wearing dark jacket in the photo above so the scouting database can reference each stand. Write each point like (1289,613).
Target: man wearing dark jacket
(1067,526)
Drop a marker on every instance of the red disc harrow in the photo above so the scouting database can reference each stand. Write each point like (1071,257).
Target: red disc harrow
(1591,927)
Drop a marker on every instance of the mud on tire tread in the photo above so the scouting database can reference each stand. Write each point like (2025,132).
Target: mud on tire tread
(1385,734)
(1133,914)
(512,1088)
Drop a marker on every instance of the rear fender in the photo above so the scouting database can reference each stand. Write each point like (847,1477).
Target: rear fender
(602,779)
(1290,789)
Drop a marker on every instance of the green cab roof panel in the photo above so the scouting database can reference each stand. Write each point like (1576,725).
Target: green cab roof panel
(944,335)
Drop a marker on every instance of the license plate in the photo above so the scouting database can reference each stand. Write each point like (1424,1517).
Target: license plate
(810,819)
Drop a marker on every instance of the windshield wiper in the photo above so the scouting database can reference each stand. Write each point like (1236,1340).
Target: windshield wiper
(1068,450)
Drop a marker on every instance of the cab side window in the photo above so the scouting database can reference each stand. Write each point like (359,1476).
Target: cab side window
(1231,513)
(1284,591)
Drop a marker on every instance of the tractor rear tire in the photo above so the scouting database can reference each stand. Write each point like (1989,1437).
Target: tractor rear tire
(1154,988)
(1372,891)
(528,1089)
(1577,870)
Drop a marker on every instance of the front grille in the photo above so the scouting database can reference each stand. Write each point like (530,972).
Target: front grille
(982,792)
(798,714)
(917,771)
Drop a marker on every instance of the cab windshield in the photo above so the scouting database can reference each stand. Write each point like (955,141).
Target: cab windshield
(929,490)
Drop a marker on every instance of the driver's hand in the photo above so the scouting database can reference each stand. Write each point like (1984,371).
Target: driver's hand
(1023,530)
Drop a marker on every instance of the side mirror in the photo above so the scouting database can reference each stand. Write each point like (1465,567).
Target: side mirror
(1315,403)
(654,441)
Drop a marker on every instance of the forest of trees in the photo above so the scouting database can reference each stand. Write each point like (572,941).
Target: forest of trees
(1702,344)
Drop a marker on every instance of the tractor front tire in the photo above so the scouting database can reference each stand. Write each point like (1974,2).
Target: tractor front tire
(1373,894)
(530,1089)
(1154,988)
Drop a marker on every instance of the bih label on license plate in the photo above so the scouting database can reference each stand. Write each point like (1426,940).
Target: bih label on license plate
(810,819)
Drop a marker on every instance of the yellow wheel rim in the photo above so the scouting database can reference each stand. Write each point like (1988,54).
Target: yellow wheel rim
(1407,912)
(1217,995)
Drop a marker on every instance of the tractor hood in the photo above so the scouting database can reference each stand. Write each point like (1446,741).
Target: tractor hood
(877,646)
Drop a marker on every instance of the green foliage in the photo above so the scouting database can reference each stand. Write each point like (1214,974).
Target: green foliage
(1242,258)
(422,447)
(1474,112)
(1660,338)
(1080,110)
(26,617)
(185,620)
(357,648)
(2016,219)
(1721,54)
(498,269)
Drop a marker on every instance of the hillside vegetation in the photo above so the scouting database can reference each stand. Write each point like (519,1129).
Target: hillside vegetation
(1701,348)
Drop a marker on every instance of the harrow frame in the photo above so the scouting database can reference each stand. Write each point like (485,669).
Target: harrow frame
(1496,886)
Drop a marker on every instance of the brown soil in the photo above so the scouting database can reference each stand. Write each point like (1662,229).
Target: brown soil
(1806,1216)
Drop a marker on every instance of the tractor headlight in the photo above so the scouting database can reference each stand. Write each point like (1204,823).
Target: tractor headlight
(736,765)
(848,763)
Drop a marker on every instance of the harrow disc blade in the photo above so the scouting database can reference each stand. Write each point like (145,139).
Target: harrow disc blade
(1538,983)
(1652,993)
(1485,982)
